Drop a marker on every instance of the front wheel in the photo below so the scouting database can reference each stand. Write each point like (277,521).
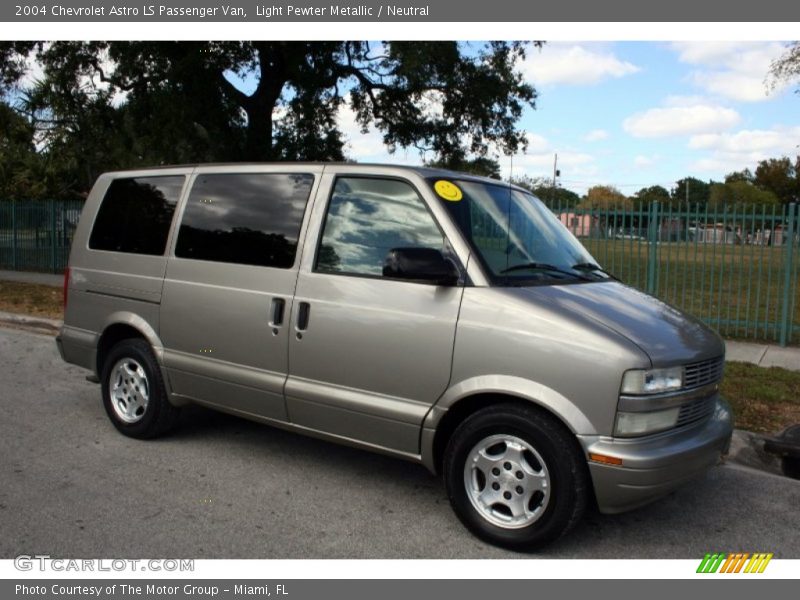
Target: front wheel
(515,476)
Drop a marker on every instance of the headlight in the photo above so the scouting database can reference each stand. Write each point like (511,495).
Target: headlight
(641,423)
(652,381)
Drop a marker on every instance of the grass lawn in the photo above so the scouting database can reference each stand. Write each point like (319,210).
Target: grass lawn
(737,289)
(765,400)
(31,299)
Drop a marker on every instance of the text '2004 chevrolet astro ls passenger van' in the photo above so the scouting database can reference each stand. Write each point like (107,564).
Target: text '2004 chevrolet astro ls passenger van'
(447,319)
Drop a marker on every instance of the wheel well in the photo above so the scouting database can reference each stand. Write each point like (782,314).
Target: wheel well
(462,409)
(111,336)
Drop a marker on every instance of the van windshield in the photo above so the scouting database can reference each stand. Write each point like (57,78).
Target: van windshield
(515,236)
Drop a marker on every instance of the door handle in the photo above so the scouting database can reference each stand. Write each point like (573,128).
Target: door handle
(303,315)
(276,311)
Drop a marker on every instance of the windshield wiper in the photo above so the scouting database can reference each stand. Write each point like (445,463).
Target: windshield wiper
(593,268)
(536,266)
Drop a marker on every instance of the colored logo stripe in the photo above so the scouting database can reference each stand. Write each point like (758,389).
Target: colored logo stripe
(734,563)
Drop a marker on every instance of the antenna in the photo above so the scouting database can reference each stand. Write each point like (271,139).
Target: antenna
(508,218)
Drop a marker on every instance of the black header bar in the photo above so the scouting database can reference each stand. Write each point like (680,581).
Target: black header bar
(463,11)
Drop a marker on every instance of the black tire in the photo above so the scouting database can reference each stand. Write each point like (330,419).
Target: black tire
(159,415)
(567,493)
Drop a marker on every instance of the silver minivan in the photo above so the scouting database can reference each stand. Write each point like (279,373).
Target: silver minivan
(435,316)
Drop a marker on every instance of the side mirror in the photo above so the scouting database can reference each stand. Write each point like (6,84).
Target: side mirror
(424,265)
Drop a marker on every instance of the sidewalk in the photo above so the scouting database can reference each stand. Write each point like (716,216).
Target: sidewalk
(26,277)
(763,355)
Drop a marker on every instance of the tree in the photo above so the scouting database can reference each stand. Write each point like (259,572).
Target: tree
(654,193)
(699,191)
(481,165)
(744,175)
(779,176)
(20,168)
(786,68)
(440,97)
(543,188)
(740,194)
(604,197)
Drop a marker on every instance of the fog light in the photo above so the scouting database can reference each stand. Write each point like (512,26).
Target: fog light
(641,423)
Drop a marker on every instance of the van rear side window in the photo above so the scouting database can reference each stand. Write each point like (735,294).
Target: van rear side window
(245,218)
(136,214)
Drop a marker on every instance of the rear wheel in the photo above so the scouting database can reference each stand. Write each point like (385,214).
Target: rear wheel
(515,476)
(134,394)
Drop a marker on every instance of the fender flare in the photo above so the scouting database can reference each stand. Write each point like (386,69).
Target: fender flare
(500,385)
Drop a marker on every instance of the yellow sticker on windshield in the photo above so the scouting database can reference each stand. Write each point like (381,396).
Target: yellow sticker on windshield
(448,191)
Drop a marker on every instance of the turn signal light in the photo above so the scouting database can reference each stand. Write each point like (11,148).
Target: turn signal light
(606,460)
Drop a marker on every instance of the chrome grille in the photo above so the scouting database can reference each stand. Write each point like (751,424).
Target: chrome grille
(703,373)
(696,411)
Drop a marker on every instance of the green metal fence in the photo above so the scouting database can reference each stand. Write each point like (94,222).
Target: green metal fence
(35,235)
(736,269)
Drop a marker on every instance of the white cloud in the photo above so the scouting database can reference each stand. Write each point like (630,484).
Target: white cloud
(732,70)
(565,160)
(678,100)
(728,152)
(574,64)
(360,146)
(643,161)
(596,135)
(732,85)
(537,143)
(681,120)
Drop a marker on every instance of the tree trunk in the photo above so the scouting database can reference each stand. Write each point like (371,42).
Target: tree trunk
(258,143)
(260,106)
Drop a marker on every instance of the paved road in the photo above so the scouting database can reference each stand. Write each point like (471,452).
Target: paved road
(222,487)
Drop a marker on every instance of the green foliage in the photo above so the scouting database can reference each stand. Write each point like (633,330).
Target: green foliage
(481,165)
(654,193)
(604,197)
(106,105)
(745,175)
(699,192)
(543,188)
(20,168)
(740,193)
(781,177)
(786,68)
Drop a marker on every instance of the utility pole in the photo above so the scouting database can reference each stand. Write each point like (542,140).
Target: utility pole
(556,173)
(687,192)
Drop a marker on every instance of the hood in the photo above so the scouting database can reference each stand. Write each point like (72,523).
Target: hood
(667,335)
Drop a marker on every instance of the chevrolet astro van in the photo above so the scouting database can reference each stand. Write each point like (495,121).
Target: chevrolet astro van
(439,317)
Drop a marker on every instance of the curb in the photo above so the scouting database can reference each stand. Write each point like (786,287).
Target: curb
(747,449)
(31,323)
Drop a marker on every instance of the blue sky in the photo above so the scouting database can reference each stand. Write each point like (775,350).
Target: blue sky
(634,114)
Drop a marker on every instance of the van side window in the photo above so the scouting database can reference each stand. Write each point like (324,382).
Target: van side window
(136,214)
(245,218)
(367,218)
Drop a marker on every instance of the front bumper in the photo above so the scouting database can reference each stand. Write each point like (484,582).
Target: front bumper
(653,466)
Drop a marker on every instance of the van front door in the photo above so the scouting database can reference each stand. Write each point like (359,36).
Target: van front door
(369,356)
